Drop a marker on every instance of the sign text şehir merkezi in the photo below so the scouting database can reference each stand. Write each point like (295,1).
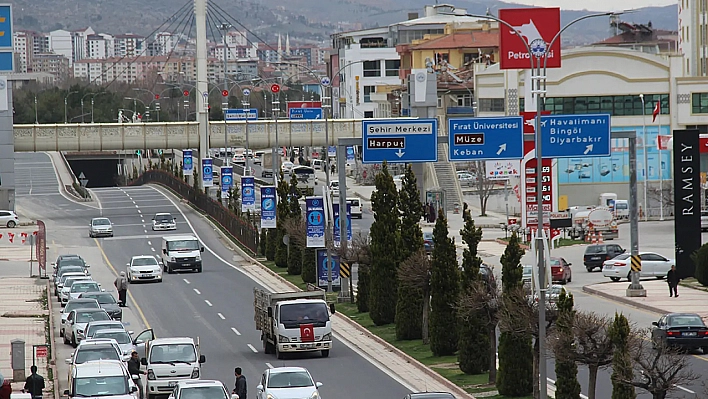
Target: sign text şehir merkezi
(400,128)
(569,131)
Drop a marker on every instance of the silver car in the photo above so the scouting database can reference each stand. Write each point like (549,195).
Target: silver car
(100,227)
(125,342)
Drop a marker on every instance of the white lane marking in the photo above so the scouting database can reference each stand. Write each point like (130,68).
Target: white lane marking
(145,231)
(152,249)
(221,316)
(139,211)
(685,389)
(252,348)
(135,205)
(186,281)
(270,366)
(149,243)
(142,221)
(235,331)
(208,303)
(197,291)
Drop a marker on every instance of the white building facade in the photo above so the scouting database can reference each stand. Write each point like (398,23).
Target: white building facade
(61,42)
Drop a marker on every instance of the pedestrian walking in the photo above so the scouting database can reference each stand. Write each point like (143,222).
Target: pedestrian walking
(332,168)
(34,384)
(134,370)
(240,384)
(121,284)
(673,279)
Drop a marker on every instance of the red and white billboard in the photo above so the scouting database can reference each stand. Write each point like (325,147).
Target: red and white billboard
(537,26)
(529,183)
(304,104)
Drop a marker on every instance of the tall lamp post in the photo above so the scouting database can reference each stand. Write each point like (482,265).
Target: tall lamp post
(36,114)
(539,91)
(644,149)
(66,102)
(93,99)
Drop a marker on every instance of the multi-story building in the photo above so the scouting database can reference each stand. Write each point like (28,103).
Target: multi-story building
(22,47)
(166,42)
(55,64)
(99,46)
(269,53)
(693,36)
(128,45)
(80,43)
(236,38)
(61,42)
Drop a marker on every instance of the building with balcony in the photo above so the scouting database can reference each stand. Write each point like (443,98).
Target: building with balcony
(128,45)
(55,64)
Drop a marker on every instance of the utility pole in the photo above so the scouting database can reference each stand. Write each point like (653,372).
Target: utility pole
(224,28)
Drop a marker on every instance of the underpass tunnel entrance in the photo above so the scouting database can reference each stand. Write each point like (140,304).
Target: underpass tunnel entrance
(97,172)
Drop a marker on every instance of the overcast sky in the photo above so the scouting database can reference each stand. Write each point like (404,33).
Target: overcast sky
(597,5)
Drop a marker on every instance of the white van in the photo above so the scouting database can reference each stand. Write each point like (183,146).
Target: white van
(181,253)
(355,205)
(318,164)
(168,361)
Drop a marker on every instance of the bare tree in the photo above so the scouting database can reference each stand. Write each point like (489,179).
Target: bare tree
(659,370)
(591,345)
(295,229)
(655,194)
(519,315)
(358,251)
(484,300)
(414,273)
(482,186)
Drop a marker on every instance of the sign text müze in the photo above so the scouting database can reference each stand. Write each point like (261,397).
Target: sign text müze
(376,143)
(407,128)
(469,138)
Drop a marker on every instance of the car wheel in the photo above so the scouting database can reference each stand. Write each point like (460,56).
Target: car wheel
(65,339)
(90,235)
(615,279)
(704,349)
(660,277)
(11,224)
(570,277)
(278,353)
(589,269)
(61,332)
(199,269)
(325,353)
(159,280)
(169,269)
(73,340)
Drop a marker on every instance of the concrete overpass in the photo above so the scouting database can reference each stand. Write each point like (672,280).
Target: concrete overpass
(179,135)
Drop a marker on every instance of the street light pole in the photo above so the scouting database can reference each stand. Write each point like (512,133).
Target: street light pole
(36,115)
(644,149)
(246,108)
(66,101)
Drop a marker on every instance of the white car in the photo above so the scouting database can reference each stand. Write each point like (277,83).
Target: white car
(258,157)
(97,325)
(91,350)
(64,294)
(287,166)
(65,275)
(466,178)
(144,268)
(81,286)
(75,326)
(100,379)
(653,265)
(239,159)
(192,389)
(122,338)
(81,303)
(9,219)
(287,382)
(163,221)
(100,227)
(334,188)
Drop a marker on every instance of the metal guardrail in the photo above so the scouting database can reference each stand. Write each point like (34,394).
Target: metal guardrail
(239,228)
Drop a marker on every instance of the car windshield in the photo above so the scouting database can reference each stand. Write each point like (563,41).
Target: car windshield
(621,257)
(101,386)
(70,269)
(71,262)
(103,299)
(596,249)
(80,305)
(294,379)
(85,317)
(202,393)
(686,320)
(70,281)
(101,222)
(85,287)
(555,290)
(183,245)
(144,261)
(427,236)
(304,313)
(163,218)
(173,353)
(121,337)
(94,327)
(621,205)
(528,270)
(96,353)
(555,262)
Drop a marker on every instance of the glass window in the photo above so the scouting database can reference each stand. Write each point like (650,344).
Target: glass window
(295,379)
(617,105)
(101,386)
(491,105)
(372,68)
(699,103)
(392,67)
(171,353)
(367,93)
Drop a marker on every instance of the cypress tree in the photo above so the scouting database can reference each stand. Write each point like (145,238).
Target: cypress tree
(385,249)
(445,291)
(283,211)
(473,340)
(295,213)
(309,266)
(295,260)
(262,243)
(567,385)
(293,200)
(515,376)
(409,306)
(363,289)
(271,239)
(621,360)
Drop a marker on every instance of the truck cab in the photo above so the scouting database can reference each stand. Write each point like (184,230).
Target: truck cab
(169,361)
(181,253)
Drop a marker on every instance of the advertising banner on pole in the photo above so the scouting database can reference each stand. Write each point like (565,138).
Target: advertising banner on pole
(314,208)
(227,180)
(323,270)
(335,212)
(187,165)
(248,193)
(350,153)
(268,209)
(207,172)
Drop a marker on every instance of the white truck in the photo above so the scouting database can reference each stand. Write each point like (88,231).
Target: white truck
(581,227)
(168,361)
(293,321)
(181,253)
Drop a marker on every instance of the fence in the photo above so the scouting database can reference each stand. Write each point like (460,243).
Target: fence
(242,230)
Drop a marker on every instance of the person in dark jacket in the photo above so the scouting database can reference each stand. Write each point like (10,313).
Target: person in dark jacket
(34,384)
(673,279)
(134,369)
(240,385)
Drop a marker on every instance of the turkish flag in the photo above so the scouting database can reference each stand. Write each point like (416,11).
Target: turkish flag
(657,109)
(11,237)
(307,333)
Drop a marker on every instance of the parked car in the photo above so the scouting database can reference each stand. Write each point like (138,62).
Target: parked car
(98,325)
(65,293)
(195,389)
(686,330)
(466,178)
(122,338)
(101,378)
(560,271)
(100,227)
(552,294)
(80,287)
(75,326)
(653,265)
(80,303)
(287,382)
(597,254)
(428,241)
(9,219)
(107,302)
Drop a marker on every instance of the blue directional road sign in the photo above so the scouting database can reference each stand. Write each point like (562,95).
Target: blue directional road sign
(239,114)
(6,26)
(570,136)
(306,113)
(475,139)
(400,141)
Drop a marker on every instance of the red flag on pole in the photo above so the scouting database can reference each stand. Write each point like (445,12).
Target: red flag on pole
(657,110)
(11,237)
(24,237)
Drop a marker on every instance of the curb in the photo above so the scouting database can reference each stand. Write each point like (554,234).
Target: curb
(623,300)
(431,373)
(52,338)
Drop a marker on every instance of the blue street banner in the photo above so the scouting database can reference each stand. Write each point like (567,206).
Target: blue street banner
(207,172)
(227,180)
(315,214)
(248,193)
(323,270)
(335,211)
(350,153)
(268,207)
(332,151)
(187,165)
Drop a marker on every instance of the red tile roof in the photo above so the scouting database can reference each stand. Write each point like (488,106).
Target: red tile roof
(459,40)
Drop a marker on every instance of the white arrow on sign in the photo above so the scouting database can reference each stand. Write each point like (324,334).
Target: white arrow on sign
(83,182)
(82,176)
(502,148)
(400,153)
(588,149)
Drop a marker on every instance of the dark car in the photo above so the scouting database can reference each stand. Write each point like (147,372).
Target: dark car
(107,302)
(428,242)
(265,173)
(597,254)
(560,271)
(686,330)
(430,395)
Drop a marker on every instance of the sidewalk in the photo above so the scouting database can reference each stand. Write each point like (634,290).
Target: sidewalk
(657,300)
(65,176)
(23,316)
